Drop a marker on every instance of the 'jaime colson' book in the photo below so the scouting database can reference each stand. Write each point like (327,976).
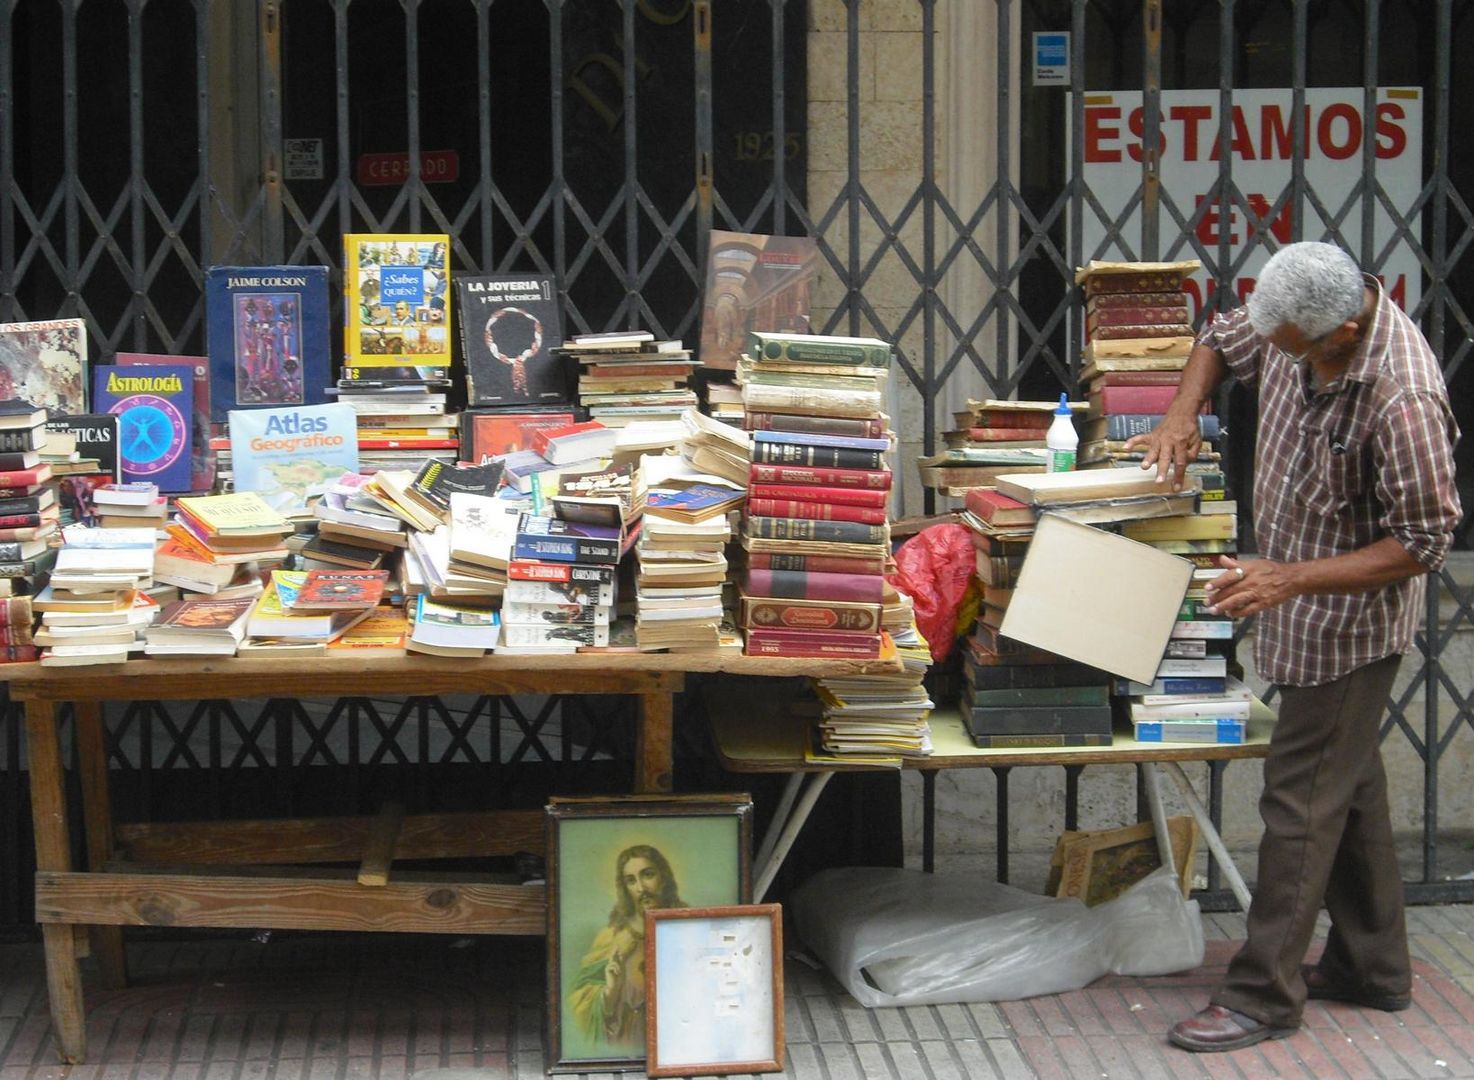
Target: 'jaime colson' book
(45,363)
(201,460)
(521,635)
(509,329)
(814,585)
(398,304)
(566,541)
(155,410)
(289,456)
(552,613)
(267,334)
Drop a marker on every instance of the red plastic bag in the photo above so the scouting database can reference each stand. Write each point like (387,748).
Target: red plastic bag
(936,569)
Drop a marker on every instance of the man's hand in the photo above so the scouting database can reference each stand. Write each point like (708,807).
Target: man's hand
(1169,447)
(611,974)
(1247,588)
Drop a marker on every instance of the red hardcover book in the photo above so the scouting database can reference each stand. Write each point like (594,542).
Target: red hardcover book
(18,654)
(816,511)
(23,521)
(19,492)
(1141,281)
(822,564)
(1006,434)
(1013,418)
(1172,315)
(1136,378)
(1103,301)
(813,643)
(998,509)
(860,427)
(766,612)
(875,479)
(812,493)
(1136,399)
(21,478)
(542,437)
(16,611)
(1152,330)
(16,635)
(814,585)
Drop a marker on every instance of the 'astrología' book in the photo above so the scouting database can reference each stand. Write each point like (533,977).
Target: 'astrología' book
(155,410)
(267,335)
(509,329)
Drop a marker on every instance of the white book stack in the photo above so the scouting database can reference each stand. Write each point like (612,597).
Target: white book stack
(680,569)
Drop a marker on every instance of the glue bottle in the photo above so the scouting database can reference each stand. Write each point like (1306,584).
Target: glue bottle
(1061,438)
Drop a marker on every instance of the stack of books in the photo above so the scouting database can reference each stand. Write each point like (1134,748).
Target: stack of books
(224,575)
(347,514)
(235,528)
(593,551)
(441,629)
(626,376)
(816,528)
(17,636)
(992,437)
(399,423)
(105,629)
(716,449)
(99,573)
(202,626)
(880,716)
(29,520)
(680,568)
(1139,334)
(131,505)
(724,403)
(302,611)
(482,531)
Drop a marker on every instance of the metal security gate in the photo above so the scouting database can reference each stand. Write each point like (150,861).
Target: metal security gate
(602,140)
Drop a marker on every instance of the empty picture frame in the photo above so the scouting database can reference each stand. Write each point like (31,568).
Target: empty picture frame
(714,990)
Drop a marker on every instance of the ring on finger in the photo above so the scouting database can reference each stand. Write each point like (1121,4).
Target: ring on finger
(1239,570)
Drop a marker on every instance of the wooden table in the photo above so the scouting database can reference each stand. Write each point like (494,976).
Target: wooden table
(762,737)
(254,873)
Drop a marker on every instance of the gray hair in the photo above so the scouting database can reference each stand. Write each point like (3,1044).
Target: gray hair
(1312,286)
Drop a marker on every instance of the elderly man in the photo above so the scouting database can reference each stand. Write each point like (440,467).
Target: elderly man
(1354,502)
(608,994)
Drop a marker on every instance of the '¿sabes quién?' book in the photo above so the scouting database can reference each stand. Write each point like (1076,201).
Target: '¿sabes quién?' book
(155,410)
(267,334)
(397,309)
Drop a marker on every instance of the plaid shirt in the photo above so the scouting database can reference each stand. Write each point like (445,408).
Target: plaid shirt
(1339,467)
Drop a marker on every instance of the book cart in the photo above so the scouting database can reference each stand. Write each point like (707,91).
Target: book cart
(249,874)
(756,734)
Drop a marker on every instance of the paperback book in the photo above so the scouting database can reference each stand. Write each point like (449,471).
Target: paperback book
(45,364)
(289,456)
(267,334)
(509,329)
(398,309)
(155,411)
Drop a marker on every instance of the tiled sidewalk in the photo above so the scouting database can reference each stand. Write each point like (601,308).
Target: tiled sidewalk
(360,1006)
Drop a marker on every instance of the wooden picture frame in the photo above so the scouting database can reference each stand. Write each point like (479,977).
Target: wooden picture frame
(1099,866)
(714,987)
(610,860)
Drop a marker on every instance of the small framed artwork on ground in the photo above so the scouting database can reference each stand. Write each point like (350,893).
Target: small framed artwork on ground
(714,990)
(609,862)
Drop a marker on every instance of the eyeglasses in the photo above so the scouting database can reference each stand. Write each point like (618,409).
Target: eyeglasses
(1310,347)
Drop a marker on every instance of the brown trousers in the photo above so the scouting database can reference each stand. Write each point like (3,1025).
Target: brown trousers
(1327,837)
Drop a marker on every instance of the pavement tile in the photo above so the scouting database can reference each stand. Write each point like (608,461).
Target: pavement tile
(941,1062)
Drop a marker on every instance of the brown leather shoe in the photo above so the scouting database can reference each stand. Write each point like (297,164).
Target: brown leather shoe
(1217,1028)
(1321,987)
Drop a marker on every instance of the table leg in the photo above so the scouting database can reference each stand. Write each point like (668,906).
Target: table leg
(769,870)
(654,752)
(1210,834)
(97,820)
(1000,775)
(928,820)
(791,788)
(53,852)
(1149,781)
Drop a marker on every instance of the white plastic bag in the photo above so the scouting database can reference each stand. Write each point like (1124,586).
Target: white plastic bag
(902,937)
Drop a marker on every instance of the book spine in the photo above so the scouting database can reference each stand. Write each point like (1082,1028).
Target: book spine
(542,634)
(1203,685)
(1005,434)
(22,478)
(816,349)
(825,457)
(813,643)
(555,592)
(823,564)
(16,635)
(986,503)
(11,551)
(1103,379)
(860,427)
(807,438)
(30,504)
(18,654)
(554,614)
(1145,281)
(814,585)
(18,492)
(1106,301)
(1211,731)
(18,440)
(1186,649)
(1008,418)
(812,494)
(771,612)
(819,511)
(1137,399)
(804,399)
(1143,315)
(838,532)
(1188,709)
(1022,696)
(522,569)
(1125,425)
(1206,629)
(870,479)
(566,548)
(1039,742)
(1153,330)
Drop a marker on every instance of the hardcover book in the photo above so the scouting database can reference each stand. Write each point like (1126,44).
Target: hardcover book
(814,585)
(45,363)
(397,308)
(754,281)
(866,427)
(819,457)
(201,459)
(867,479)
(813,643)
(509,329)
(289,456)
(762,611)
(267,334)
(801,348)
(155,411)
(487,434)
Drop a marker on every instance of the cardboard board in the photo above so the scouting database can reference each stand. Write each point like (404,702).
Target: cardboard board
(1096,597)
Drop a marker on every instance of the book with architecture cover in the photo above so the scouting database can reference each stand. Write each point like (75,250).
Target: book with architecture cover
(267,334)
(509,329)
(753,282)
(397,308)
(45,363)
(155,410)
